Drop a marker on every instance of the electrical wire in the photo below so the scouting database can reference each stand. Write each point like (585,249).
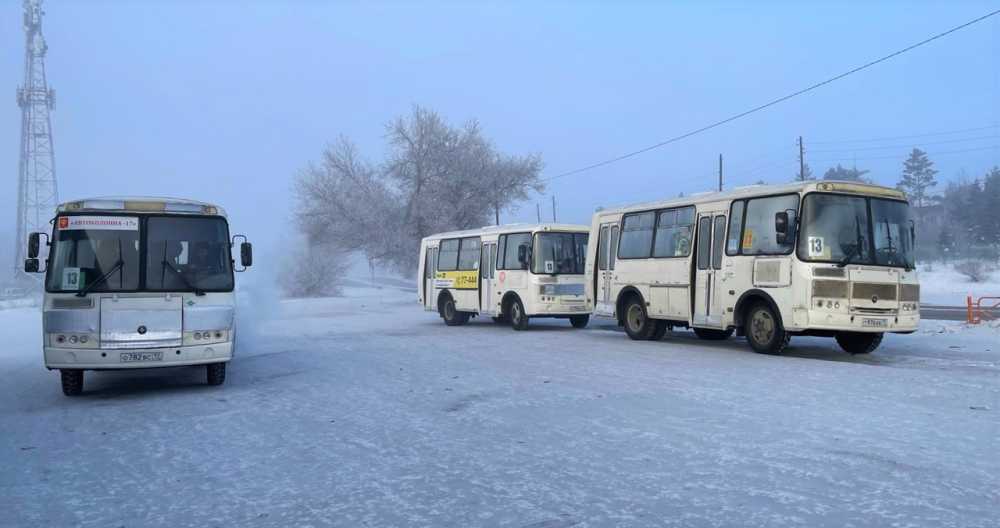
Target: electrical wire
(773,102)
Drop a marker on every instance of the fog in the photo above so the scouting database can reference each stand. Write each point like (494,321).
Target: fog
(227,101)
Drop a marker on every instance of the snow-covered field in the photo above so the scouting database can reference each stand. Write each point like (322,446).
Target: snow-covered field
(366,411)
(941,284)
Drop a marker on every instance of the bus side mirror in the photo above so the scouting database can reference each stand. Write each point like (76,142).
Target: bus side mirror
(33,245)
(31,265)
(781,227)
(246,254)
(522,256)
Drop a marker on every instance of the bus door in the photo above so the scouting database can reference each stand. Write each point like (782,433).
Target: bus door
(487,278)
(430,272)
(710,243)
(604,272)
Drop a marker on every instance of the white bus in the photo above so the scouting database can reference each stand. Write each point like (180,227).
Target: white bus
(824,258)
(137,283)
(511,273)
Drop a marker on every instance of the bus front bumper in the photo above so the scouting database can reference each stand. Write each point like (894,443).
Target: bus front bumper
(903,322)
(108,359)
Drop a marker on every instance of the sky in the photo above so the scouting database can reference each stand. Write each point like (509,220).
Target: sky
(226,101)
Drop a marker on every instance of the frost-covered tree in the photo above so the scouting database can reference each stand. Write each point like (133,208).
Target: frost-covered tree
(436,177)
(845,174)
(918,177)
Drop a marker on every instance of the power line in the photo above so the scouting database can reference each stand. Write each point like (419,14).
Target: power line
(922,143)
(773,102)
(893,138)
(829,160)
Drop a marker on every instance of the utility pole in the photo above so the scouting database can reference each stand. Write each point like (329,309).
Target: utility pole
(802,161)
(720,172)
(538,212)
(553,208)
(37,194)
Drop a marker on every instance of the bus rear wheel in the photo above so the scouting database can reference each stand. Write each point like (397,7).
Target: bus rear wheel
(215,373)
(764,331)
(72,381)
(518,319)
(638,325)
(709,334)
(579,321)
(859,342)
(450,314)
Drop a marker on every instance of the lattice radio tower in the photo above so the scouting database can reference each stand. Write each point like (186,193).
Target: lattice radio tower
(37,192)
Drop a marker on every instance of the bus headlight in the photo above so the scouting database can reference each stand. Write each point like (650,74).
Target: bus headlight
(73,341)
(205,337)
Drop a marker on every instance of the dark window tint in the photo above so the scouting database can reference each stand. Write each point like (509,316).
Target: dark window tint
(637,235)
(613,250)
(602,249)
(448,255)
(188,253)
(704,241)
(719,237)
(500,252)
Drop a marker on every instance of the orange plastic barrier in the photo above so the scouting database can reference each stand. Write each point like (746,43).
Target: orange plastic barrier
(981,308)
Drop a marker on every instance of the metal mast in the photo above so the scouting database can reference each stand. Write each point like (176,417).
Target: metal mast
(37,193)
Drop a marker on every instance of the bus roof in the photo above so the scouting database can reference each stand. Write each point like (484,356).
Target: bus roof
(142,204)
(750,191)
(510,228)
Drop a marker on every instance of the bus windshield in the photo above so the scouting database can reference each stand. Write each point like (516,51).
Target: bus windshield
(93,253)
(856,229)
(559,253)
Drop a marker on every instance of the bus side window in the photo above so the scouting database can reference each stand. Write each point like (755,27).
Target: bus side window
(493,260)
(602,249)
(613,256)
(500,251)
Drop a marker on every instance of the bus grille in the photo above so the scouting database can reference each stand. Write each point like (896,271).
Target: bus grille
(909,292)
(830,289)
(838,273)
(868,290)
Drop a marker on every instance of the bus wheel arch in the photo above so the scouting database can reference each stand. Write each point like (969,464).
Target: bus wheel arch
(623,296)
(448,310)
(513,311)
(634,317)
(747,301)
(760,321)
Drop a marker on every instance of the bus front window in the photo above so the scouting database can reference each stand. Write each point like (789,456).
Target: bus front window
(94,253)
(893,235)
(188,254)
(840,228)
(559,253)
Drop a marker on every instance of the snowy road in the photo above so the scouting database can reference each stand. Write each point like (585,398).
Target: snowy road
(355,412)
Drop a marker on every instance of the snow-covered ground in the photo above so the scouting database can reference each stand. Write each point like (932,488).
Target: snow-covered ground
(366,411)
(941,284)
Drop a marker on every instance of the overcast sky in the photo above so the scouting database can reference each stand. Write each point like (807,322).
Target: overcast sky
(225,101)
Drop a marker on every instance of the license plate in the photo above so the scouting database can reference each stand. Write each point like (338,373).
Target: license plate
(128,357)
(874,323)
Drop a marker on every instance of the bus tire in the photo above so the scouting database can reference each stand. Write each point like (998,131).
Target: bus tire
(215,373)
(764,331)
(661,330)
(518,319)
(859,342)
(638,325)
(579,321)
(449,312)
(709,334)
(72,381)
(500,319)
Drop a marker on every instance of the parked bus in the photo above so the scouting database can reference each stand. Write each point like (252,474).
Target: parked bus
(511,273)
(824,258)
(137,283)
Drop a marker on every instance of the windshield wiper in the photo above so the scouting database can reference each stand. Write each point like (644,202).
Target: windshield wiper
(197,291)
(857,244)
(118,265)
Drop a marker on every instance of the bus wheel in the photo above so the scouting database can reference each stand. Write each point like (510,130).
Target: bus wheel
(579,321)
(518,319)
(637,325)
(661,330)
(72,381)
(709,334)
(858,342)
(215,373)
(764,331)
(450,314)
(500,319)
